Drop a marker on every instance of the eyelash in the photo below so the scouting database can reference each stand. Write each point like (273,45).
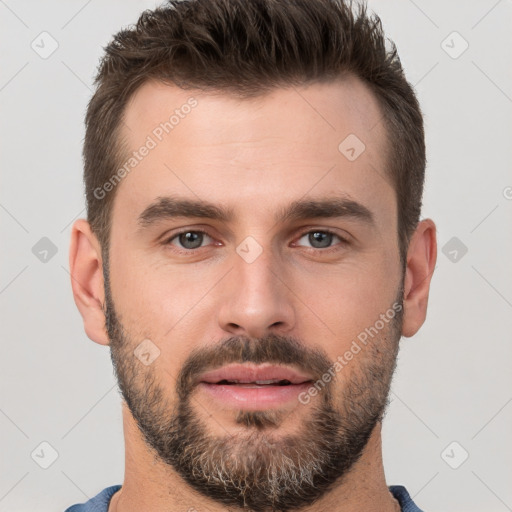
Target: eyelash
(327,250)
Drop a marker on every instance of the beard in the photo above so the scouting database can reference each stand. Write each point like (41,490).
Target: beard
(259,468)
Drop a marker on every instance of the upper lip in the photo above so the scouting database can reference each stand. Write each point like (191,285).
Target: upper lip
(253,373)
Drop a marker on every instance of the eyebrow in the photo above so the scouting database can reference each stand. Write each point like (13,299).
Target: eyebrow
(171,207)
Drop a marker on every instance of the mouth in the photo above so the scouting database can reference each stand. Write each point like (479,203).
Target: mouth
(260,375)
(256,384)
(254,387)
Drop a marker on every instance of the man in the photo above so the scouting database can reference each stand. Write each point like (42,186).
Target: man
(253,253)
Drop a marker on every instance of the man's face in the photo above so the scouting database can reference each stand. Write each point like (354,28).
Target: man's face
(289,295)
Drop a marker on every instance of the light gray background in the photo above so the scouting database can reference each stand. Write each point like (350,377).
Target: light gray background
(454,379)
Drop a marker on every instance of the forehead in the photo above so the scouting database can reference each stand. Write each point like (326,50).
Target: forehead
(255,154)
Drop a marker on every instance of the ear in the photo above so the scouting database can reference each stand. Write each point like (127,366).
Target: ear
(86,269)
(421,261)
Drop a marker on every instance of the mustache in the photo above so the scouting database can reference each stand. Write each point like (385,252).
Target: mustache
(272,348)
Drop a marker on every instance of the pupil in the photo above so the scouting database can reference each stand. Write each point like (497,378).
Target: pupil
(320,238)
(191,239)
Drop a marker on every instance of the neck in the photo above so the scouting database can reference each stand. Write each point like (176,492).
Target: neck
(151,485)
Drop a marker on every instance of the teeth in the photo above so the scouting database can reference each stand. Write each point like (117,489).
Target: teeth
(262,382)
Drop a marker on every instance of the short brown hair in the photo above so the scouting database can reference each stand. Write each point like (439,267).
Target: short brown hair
(248,47)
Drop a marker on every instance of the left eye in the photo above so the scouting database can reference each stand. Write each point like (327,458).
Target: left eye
(189,239)
(320,239)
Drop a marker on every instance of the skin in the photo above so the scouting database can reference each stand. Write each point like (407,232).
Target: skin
(254,156)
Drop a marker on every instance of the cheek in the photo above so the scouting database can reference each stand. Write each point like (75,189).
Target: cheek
(346,300)
(157,299)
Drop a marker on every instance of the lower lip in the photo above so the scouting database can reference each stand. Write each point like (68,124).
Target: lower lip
(263,397)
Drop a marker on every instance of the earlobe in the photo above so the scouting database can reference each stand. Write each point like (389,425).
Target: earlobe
(86,270)
(421,261)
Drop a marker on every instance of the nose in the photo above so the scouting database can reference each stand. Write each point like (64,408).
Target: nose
(256,299)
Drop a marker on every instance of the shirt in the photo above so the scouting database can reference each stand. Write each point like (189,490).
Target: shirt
(101,501)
